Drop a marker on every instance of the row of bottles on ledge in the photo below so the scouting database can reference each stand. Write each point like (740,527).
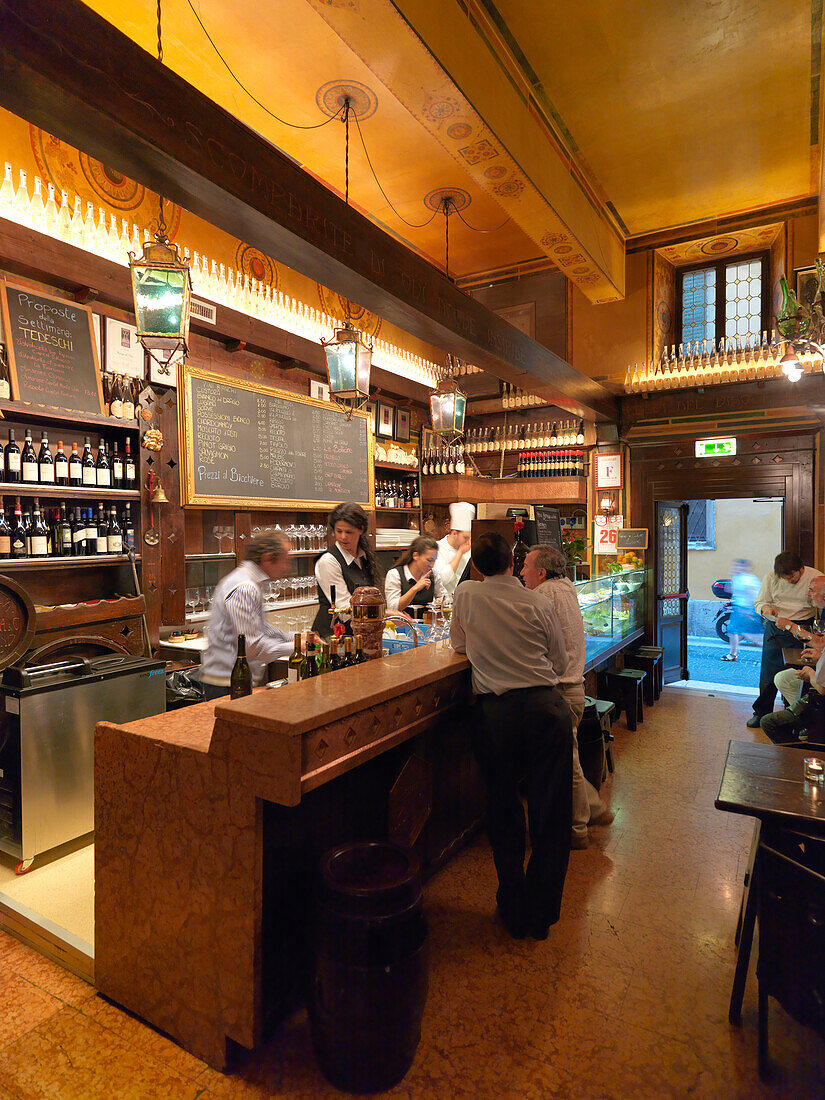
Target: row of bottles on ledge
(63,532)
(329,656)
(443,460)
(63,216)
(525,437)
(731,359)
(103,470)
(120,395)
(565,462)
(397,494)
(513,398)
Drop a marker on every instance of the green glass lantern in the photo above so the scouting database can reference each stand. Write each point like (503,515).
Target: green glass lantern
(448,404)
(348,367)
(162,291)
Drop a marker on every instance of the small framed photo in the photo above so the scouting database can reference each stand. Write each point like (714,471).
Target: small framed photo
(402,425)
(806,285)
(163,374)
(371,409)
(429,440)
(124,352)
(385,420)
(318,390)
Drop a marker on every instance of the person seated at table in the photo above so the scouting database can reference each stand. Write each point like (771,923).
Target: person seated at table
(784,594)
(545,572)
(412,583)
(803,711)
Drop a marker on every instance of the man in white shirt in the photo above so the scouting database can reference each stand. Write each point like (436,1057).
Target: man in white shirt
(237,608)
(513,640)
(803,711)
(545,573)
(784,594)
(454,548)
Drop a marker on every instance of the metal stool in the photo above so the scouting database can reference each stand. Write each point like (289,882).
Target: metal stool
(649,664)
(625,690)
(655,651)
(604,709)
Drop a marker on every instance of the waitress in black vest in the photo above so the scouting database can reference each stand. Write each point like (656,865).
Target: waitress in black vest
(411,583)
(347,565)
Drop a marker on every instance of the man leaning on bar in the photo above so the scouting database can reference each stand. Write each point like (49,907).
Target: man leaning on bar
(515,646)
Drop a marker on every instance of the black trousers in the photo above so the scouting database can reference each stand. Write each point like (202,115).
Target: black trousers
(773,643)
(527,735)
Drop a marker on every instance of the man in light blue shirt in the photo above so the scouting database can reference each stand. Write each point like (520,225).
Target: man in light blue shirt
(237,608)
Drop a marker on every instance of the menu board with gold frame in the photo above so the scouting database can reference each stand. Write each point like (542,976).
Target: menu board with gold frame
(244,445)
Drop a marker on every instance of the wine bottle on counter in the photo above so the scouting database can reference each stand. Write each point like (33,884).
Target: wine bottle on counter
(336,661)
(45,462)
(5,534)
(309,665)
(28,460)
(11,459)
(349,652)
(103,472)
(296,658)
(61,465)
(324,664)
(75,468)
(19,548)
(360,655)
(88,464)
(240,682)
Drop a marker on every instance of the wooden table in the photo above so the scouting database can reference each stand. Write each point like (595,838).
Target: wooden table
(765,782)
(794,658)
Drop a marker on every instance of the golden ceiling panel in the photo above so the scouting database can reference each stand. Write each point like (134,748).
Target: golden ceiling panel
(757,239)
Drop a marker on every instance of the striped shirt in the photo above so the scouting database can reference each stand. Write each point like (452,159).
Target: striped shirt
(237,608)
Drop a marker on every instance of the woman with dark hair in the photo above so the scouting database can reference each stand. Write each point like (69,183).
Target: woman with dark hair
(348,564)
(411,583)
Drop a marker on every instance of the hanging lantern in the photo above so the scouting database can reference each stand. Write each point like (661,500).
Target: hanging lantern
(162,290)
(448,405)
(348,367)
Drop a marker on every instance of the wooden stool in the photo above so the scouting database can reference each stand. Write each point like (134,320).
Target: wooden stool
(604,709)
(655,651)
(625,690)
(648,664)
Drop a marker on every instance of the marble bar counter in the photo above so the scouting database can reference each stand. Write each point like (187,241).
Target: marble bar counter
(210,820)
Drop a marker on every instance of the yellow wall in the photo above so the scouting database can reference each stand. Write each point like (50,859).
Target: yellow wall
(744,529)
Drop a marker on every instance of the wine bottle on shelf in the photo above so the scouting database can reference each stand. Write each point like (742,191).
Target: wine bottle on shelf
(450,461)
(116,462)
(240,682)
(460,468)
(75,468)
(580,433)
(39,538)
(128,528)
(416,495)
(103,471)
(114,538)
(19,547)
(91,533)
(88,463)
(293,673)
(309,665)
(116,398)
(11,460)
(5,533)
(106,385)
(61,465)
(129,478)
(5,385)
(102,540)
(28,460)
(62,538)
(349,652)
(360,655)
(27,524)
(45,462)
(128,407)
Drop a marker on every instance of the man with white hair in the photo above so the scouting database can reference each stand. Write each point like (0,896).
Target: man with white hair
(545,572)
(454,548)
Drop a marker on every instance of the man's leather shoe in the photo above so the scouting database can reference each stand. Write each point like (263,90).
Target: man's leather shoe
(753,723)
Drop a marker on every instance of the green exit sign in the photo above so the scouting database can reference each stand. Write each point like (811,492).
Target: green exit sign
(714,448)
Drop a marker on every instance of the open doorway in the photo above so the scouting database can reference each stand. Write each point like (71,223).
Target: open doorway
(727,536)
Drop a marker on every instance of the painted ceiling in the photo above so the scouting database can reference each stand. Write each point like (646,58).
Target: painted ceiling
(573,125)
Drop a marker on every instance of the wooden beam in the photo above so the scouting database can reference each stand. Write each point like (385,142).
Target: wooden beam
(70,72)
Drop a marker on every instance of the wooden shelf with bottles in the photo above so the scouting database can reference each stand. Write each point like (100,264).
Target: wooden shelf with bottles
(446,488)
(23,413)
(79,562)
(398,467)
(47,491)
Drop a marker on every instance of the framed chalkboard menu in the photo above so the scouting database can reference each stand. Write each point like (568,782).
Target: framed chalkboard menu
(548,526)
(52,350)
(249,446)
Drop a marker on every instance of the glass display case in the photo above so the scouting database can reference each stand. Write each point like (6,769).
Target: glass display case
(612,607)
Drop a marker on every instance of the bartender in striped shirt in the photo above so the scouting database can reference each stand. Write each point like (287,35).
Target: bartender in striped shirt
(237,608)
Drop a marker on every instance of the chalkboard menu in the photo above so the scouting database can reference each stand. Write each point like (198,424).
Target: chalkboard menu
(548,526)
(254,447)
(51,349)
(631,538)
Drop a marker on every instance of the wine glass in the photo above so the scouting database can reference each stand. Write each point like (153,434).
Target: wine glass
(191,600)
(292,535)
(209,592)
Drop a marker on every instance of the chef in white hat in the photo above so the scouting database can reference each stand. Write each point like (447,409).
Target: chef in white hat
(454,548)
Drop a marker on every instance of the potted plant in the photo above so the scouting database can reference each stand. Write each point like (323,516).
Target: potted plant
(574,546)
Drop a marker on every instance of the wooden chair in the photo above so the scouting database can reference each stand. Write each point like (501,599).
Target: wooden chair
(625,689)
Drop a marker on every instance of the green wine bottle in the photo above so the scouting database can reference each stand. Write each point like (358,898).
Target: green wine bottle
(309,665)
(324,663)
(240,683)
(791,320)
(295,660)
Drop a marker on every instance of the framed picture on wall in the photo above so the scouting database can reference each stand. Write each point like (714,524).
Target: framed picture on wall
(402,425)
(371,409)
(124,352)
(609,471)
(385,423)
(806,282)
(318,390)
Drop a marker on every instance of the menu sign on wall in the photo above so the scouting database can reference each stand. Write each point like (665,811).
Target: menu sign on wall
(52,350)
(252,446)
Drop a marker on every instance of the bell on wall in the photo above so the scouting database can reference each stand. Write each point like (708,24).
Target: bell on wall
(158,494)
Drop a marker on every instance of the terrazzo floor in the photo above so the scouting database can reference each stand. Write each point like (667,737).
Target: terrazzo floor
(626,998)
